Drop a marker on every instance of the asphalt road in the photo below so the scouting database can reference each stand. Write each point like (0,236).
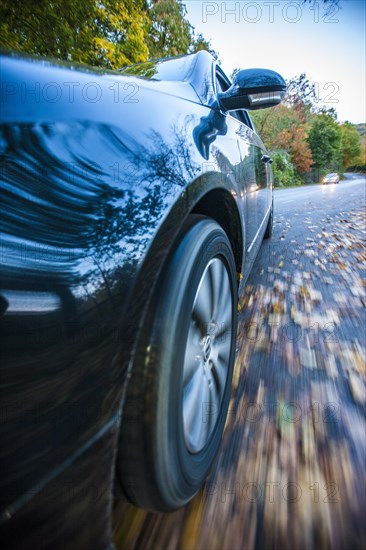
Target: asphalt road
(291,469)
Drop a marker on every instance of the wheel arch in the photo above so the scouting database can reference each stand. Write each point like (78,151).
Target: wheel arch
(203,197)
(219,205)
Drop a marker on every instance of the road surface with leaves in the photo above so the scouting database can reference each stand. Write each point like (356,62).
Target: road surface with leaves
(291,468)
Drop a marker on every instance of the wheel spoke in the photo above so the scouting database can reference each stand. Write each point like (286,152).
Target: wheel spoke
(192,408)
(207,408)
(224,328)
(201,308)
(224,351)
(193,356)
(215,275)
(215,405)
(219,372)
(224,304)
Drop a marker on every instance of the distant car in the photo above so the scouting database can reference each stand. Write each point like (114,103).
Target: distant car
(134,205)
(330,178)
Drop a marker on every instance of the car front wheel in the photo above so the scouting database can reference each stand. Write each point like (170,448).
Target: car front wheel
(178,393)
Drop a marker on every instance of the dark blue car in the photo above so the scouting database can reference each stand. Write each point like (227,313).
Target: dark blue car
(133,205)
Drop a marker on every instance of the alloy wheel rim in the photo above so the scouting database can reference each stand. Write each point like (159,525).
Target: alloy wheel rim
(207,355)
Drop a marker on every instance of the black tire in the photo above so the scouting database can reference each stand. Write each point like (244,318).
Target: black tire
(269,229)
(161,463)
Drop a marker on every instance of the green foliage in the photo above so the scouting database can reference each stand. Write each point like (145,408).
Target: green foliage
(270,122)
(46,28)
(170,33)
(350,145)
(105,33)
(286,127)
(360,168)
(200,43)
(120,33)
(325,143)
(109,33)
(283,170)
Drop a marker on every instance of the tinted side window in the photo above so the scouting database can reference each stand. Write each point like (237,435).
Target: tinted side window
(220,84)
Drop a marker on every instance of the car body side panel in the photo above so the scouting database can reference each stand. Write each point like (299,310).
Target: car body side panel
(70,509)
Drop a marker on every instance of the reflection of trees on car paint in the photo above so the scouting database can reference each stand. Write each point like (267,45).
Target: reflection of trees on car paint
(95,222)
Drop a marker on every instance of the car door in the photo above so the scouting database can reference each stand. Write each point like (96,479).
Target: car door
(255,176)
(256,185)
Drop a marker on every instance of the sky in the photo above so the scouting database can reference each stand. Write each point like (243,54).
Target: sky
(292,38)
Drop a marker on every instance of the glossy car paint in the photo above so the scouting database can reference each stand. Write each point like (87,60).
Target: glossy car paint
(99,171)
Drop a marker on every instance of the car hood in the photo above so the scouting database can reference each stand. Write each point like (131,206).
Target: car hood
(32,85)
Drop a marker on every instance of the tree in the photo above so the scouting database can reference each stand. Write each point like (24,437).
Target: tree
(295,141)
(285,127)
(107,33)
(301,91)
(104,33)
(362,156)
(298,107)
(271,122)
(200,43)
(46,28)
(170,33)
(283,170)
(120,33)
(325,142)
(350,145)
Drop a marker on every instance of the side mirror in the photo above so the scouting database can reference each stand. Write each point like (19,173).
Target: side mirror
(253,89)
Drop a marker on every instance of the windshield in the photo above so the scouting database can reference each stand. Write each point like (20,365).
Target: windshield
(177,68)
